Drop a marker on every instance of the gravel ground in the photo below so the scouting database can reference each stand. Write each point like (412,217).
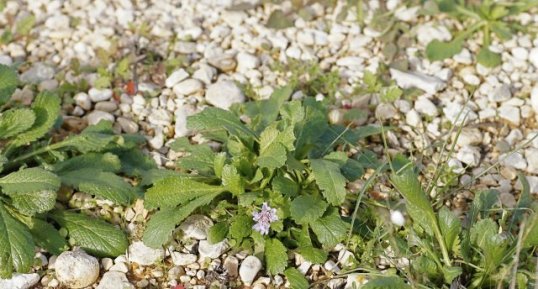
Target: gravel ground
(192,54)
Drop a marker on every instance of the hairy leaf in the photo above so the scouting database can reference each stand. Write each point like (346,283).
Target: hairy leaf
(217,233)
(29,180)
(47,237)
(276,256)
(106,162)
(296,278)
(15,121)
(307,209)
(330,180)
(8,83)
(174,191)
(16,245)
(241,227)
(437,50)
(30,203)
(215,122)
(450,227)
(386,283)
(330,230)
(232,181)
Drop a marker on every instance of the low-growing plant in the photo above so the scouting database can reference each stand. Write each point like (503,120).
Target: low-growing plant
(37,168)
(489,17)
(275,184)
(490,247)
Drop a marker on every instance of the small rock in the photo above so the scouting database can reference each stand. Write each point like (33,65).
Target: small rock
(534,99)
(425,106)
(331,266)
(249,269)
(514,160)
(510,113)
(106,106)
(385,111)
(205,74)
(212,251)
(412,118)
(188,87)
(231,264)
(181,259)
(196,227)
(38,73)
(119,267)
(469,155)
(533,57)
(127,125)
(469,136)
(429,84)
(223,94)
(176,77)
(83,100)
(224,63)
(114,280)
(144,255)
(97,95)
(246,61)
(19,281)
(355,281)
(346,258)
(501,93)
(96,116)
(76,269)
(531,154)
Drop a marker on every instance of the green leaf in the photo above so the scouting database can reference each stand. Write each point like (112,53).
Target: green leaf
(25,24)
(389,282)
(293,112)
(330,230)
(103,184)
(218,163)
(524,203)
(47,237)
(437,50)
(272,148)
(29,180)
(30,203)
(8,83)
(265,112)
(450,273)
(241,227)
(217,233)
(232,181)
(482,231)
(46,107)
(482,203)
(307,209)
(450,227)
(174,191)
(284,186)
(15,121)
(276,256)
(106,162)
(418,205)
(330,180)
(214,122)
(93,235)
(16,245)
(531,236)
(391,93)
(502,30)
(314,255)
(160,226)
(488,58)
(278,20)
(296,278)
(200,157)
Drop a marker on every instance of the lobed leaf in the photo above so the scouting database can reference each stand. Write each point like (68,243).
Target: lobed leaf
(307,209)
(330,230)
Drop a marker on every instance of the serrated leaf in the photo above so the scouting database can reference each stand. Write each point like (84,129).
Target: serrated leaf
(314,255)
(330,230)
(278,20)
(488,58)
(284,186)
(214,122)
(450,227)
(437,50)
(29,180)
(8,82)
(47,237)
(293,112)
(296,278)
(276,256)
(217,233)
(30,203)
(200,157)
(107,162)
(386,283)
(174,191)
(272,148)
(16,245)
(241,227)
(160,226)
(483,201)
(90,141)
(264,112)
(218,164)
(482,231)
(134,162)
(93,235)
(46,107)
(103,184)
(15,121)
(450,273)
(307,209)
(232,181)
(330,180)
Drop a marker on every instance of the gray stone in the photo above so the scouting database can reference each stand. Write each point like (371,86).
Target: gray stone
(128,125)
(469,155)
(176,77)
(83,100)
(429,84)
(19,281)
(385,111)
(188,87)
(501,93)
(37,73)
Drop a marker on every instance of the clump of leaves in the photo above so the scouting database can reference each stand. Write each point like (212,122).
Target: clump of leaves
(490,17)
(34,168)
(286,155)
(309,77)
(490,248)
(22,28)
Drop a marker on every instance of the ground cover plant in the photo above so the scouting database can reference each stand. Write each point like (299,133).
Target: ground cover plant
(275,185)
(39,170)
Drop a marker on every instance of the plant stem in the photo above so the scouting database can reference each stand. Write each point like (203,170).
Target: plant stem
(444,250)
(34,153)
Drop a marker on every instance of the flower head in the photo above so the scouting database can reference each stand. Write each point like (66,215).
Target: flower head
(264,218)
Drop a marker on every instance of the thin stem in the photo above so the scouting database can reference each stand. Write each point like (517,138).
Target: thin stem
(34,153)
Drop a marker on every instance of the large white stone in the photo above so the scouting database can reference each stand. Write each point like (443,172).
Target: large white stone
(96,116)
(76,269)
(144,255)
(114,280)
(97,95)
(212,251)
(19,281)
(188,87)
(249,269)
(196,227)
(469,155)
(223,94)
(428,83)
(176,77)
(182,259)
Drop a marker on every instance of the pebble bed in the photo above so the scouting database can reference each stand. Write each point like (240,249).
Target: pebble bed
(223,47)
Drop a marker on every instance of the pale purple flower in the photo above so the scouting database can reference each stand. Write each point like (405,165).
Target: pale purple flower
(264,218)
